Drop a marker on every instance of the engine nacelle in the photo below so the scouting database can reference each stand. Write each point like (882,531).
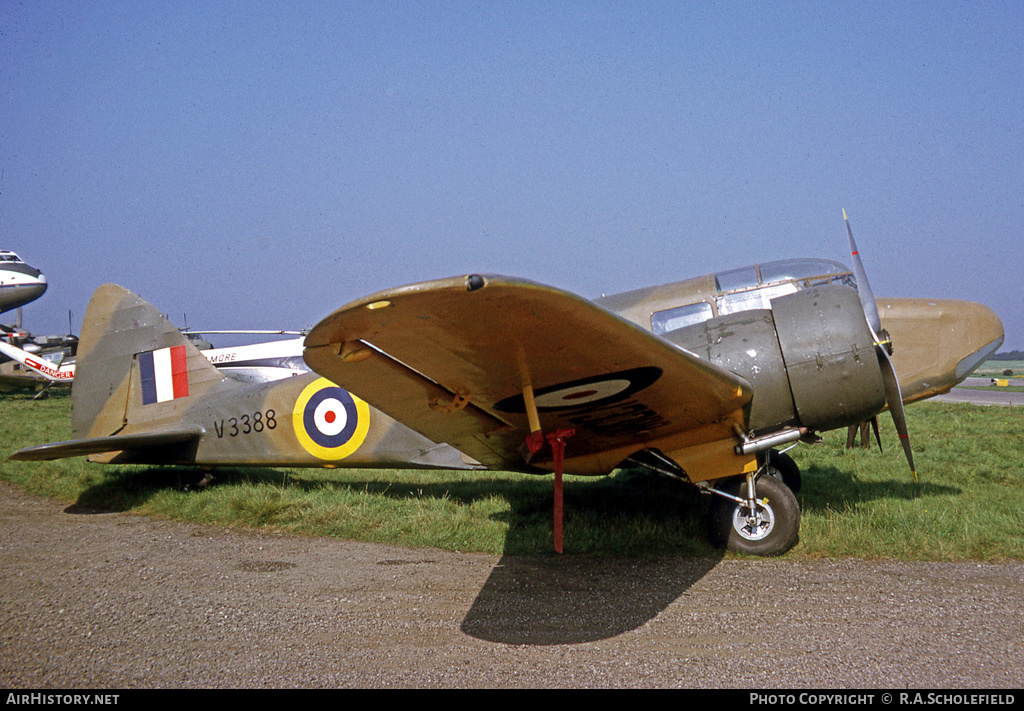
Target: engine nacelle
(810,358)
(830,357)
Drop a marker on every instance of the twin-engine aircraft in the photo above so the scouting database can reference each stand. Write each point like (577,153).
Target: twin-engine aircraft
(702,380)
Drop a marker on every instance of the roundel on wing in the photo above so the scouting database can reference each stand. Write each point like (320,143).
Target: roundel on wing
(587,392)
(330,422)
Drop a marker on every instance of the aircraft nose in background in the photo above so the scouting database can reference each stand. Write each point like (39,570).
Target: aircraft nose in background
(31,287)
(20,284)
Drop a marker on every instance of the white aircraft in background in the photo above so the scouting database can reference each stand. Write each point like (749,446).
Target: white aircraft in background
(20,284)
(52,358)
(258,362)
(254,363)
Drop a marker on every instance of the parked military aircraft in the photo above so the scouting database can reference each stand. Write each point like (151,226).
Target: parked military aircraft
(700,380)
(19,283)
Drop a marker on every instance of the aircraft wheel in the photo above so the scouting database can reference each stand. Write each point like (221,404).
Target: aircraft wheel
(772,529)
(781,466)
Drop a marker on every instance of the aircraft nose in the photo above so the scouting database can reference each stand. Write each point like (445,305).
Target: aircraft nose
(38,288)
(937,343)
(981,331)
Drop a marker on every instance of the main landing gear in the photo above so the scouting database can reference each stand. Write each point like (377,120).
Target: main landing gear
(758,514)
(781,466)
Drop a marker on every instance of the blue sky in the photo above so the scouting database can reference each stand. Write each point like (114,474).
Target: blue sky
(258,164)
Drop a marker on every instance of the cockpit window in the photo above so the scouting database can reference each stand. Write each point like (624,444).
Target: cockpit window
(802,272)
(810,272)
(733,279)
(754,287)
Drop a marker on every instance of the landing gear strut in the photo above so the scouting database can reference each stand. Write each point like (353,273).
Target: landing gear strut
(758,515)
(202,482)
(782,467)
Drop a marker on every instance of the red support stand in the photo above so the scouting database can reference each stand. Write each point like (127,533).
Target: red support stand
(556,440)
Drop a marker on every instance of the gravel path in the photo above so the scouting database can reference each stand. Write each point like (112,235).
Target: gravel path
(118,601)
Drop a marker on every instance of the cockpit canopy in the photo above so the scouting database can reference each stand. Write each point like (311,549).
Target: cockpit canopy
(6,256)
(753,287)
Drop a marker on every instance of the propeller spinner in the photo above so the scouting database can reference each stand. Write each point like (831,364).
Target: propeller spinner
(883,348)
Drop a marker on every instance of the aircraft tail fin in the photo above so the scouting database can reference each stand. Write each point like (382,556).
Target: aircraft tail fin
(135,370)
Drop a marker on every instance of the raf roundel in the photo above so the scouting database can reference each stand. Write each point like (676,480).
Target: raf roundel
(330,422)
(580,395)
(589,392)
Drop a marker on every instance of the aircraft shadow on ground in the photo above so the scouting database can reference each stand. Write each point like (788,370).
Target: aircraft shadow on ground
(540,600)
(121,493)
(575,598)
(527,599)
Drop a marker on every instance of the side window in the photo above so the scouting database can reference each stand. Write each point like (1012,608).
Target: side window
(680,317)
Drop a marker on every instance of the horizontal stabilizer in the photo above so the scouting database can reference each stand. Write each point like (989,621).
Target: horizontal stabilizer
(138,441)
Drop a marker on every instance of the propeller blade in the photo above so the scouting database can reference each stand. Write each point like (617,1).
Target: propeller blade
(867,299)
(894,397)
(893,394)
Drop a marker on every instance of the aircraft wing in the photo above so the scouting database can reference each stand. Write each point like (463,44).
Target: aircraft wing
(459,360)
(139,441)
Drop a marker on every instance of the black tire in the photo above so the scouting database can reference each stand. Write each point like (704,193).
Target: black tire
(781,466)
(778,529)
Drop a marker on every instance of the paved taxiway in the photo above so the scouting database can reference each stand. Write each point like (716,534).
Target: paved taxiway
(112,600)
(982,397)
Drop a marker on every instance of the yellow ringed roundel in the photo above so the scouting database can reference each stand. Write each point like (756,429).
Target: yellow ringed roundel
(330,422)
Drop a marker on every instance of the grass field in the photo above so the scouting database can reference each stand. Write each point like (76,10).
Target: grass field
(855,503)
(995,368)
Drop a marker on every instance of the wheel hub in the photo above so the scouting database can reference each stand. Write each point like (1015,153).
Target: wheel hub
(754,524)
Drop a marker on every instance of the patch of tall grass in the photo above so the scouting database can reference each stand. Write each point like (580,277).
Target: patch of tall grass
(855,503)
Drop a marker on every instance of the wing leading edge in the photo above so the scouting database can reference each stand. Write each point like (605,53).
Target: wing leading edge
(462,360)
